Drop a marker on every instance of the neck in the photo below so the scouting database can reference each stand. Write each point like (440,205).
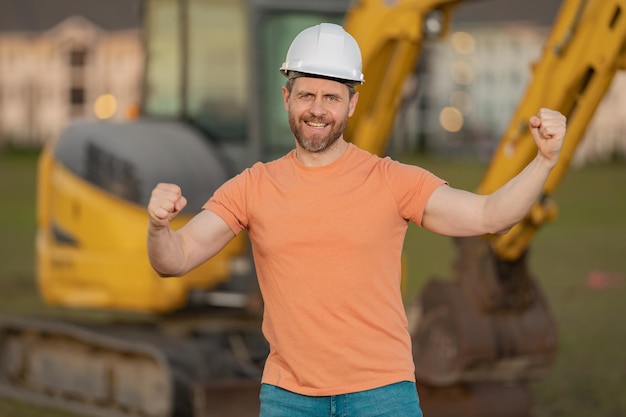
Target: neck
(325,157)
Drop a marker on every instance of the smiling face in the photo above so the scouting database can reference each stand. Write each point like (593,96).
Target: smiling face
(318,111)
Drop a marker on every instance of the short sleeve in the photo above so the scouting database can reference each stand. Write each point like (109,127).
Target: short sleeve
(230,201)
(411,187)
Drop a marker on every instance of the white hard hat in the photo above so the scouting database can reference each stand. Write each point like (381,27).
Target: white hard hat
(326,50)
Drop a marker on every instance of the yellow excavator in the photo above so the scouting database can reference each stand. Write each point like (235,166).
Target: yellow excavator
(212,106)
(480,338)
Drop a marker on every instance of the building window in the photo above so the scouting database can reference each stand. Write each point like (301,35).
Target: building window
(77,96)
(78,58)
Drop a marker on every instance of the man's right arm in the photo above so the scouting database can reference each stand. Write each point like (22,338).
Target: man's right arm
(174,253)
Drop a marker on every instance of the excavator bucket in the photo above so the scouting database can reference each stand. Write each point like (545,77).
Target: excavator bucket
(227,399)
(484,399)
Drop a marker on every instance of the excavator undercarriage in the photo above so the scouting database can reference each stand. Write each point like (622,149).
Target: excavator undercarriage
(95,369)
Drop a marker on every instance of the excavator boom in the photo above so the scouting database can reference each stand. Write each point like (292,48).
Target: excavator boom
(390,35)
(494,313)
(581,56)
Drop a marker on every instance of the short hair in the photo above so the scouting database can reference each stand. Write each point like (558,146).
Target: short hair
(292,75)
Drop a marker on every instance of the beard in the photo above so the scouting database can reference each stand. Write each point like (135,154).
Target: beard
(316,143)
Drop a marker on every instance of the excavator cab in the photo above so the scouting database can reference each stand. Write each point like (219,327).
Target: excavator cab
(214,65)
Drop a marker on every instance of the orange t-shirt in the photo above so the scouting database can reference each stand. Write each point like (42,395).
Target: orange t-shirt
(327,243)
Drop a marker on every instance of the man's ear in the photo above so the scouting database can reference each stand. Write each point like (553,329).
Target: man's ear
(286,98)
(353,100)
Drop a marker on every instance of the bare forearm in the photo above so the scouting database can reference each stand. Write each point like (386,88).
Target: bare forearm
(165,251)
(174,253)
(454,212)
(510,203)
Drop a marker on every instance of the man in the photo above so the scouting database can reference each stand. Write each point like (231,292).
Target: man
(327,223)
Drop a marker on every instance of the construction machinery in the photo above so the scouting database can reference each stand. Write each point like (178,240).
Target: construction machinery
(211,106)
(492,324)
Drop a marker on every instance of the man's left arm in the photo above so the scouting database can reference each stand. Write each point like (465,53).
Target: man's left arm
(454,212)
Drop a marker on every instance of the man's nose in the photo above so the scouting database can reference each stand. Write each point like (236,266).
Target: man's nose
(317,106)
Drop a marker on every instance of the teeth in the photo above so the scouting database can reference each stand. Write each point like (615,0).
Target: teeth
(316,124)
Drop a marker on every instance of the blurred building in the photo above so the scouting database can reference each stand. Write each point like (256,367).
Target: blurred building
(476,78)
(66,59)
(472,81)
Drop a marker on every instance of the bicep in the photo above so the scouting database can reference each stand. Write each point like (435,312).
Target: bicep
(453,212)
(203,237)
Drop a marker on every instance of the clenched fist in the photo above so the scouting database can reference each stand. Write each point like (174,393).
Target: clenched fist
(165,203)
(548,129)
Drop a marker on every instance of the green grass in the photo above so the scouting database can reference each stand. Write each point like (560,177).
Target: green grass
(589,377)
(17,232)
(589,236)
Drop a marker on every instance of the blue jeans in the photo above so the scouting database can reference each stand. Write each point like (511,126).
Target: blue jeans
(395,400)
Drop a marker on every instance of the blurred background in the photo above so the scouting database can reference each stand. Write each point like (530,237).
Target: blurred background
(86,62)
(67,59)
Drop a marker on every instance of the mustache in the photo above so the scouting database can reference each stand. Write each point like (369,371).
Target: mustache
(316,119)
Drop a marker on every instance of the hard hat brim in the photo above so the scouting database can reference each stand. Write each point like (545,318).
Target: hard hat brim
(299,74)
